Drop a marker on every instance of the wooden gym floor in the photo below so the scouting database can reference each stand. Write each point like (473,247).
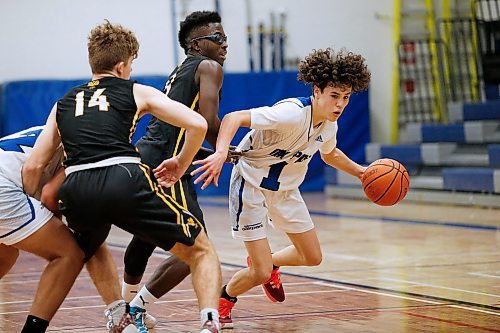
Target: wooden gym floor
(408,268)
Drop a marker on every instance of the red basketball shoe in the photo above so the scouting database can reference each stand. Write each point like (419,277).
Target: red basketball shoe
(273,287)
(225,308)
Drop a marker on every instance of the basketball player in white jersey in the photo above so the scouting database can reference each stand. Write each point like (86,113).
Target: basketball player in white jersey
(25,224)
(276,152)
(24,221)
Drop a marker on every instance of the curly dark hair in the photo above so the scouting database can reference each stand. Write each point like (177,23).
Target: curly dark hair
(344,69)
(194,21)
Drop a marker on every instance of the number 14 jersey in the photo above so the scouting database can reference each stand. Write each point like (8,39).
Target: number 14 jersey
(281,143)
(96,121)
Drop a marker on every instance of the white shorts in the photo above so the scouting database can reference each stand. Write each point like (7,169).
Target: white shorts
(20,215)
(252,209)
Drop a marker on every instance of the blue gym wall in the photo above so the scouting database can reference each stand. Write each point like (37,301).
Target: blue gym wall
(27,103)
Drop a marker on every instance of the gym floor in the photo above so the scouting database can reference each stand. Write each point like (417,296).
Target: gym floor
(406,268)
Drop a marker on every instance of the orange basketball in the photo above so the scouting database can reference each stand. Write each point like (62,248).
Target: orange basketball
(386,182)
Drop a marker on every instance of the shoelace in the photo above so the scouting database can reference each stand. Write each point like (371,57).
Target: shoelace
(275,279)
(225,309)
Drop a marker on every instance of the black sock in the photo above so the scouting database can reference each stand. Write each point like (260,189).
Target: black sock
(35,325)
(225,295)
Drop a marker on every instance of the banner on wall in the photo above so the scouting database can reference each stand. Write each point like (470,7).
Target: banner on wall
(28,103)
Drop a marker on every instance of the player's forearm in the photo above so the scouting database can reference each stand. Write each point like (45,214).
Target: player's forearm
(340,161)
(195,134)
(31,175)
(228,128)
(35,164)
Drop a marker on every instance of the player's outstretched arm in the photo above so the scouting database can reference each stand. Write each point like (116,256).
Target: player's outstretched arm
(44,149)
(210,168)
(337,159)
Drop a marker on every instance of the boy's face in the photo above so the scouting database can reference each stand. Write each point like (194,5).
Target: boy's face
(213,47)
(332,101)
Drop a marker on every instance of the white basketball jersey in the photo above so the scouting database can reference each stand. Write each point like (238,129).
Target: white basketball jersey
(15,149)
(281,143)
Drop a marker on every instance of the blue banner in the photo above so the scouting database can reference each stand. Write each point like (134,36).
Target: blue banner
(27,103)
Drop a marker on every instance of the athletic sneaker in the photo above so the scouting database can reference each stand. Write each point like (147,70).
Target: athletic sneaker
(150,321)
(209,326)
(225,307)
(119,319)
(138,314)
(273,287)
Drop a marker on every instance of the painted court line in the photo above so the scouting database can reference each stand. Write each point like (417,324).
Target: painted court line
(484,275)
(377,293)
(439,287)
(411,298)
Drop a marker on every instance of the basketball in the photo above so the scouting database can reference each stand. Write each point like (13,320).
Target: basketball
(386,182)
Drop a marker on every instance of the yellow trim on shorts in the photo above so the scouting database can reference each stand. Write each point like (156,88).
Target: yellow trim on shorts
(184,208)
(174,205)
(159,192)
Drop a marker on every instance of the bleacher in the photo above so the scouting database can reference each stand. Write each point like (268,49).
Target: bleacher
(455,162)
(448,94)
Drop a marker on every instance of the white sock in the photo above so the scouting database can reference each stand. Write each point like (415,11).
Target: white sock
(129,291)
(116,310)
(144,299)
(215,316)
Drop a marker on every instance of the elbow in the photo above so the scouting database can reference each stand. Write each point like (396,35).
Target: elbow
(197,124)
(30,170)
(324,158)
(201,125)
(49,200)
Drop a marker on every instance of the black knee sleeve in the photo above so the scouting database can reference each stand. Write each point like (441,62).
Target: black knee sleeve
(136,256)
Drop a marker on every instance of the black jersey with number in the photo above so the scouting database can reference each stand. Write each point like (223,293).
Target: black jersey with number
(163,140)
(96,121)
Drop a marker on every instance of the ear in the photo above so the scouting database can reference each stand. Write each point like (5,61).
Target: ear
(316,91)
(119,67)
(195,46)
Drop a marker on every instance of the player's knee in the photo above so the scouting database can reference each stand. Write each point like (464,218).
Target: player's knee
(198,252)
(261,275)
(138,252)
(313,259)
(70,253)
(135,263)
(8,257)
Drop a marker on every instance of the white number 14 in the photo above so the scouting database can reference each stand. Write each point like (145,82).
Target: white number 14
(97,99)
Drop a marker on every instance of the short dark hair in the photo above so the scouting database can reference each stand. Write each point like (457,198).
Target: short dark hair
(344,69)
(194,21)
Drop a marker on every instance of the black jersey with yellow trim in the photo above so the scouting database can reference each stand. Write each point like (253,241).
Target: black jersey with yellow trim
(163,140)
(96,121)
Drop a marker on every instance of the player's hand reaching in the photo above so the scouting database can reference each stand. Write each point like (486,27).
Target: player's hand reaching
(232,155)
(169,172)
(210,169)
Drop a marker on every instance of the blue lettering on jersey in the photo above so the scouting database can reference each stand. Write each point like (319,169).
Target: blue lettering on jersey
(279,153)
(301,157)
(26,139)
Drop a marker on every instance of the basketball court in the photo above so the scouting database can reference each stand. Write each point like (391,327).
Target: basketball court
(407,268)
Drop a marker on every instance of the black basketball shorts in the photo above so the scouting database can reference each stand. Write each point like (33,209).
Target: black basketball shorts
(128,196)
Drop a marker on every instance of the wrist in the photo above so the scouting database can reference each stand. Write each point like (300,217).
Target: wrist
(222,152)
